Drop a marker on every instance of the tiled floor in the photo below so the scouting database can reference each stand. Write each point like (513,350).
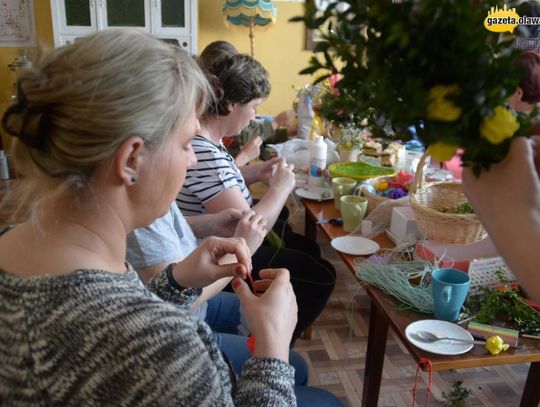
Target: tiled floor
(336,354)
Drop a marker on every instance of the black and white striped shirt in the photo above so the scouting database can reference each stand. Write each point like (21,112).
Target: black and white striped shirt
(214,172)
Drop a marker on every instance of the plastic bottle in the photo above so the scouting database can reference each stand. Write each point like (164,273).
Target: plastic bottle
(317,161)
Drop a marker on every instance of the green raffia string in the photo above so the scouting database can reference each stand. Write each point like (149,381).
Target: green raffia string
(392,272)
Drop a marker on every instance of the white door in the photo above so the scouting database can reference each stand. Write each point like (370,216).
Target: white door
(123,13)
(171,17)
(74,17)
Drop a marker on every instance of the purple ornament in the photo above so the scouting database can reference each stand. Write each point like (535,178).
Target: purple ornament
(396,193)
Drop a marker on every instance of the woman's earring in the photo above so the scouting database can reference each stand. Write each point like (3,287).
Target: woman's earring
(134,179)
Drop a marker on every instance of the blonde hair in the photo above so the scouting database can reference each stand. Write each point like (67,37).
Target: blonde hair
(78,103)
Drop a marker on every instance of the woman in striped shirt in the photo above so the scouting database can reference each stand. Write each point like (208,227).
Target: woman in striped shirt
(215,183)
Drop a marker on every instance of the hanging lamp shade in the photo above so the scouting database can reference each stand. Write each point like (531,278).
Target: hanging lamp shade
(251,14)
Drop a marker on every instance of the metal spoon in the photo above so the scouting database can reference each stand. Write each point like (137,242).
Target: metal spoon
(427,336)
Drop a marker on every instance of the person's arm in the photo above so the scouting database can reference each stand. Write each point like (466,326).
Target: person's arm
(252,228)
(258,172)
(269,206)
(160,349)
(507,200)
(222,224)
(248,152)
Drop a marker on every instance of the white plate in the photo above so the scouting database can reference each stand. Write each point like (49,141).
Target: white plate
(442,328)
(355,245)
(315,193)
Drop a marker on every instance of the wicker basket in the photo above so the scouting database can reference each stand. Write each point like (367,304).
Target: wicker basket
(374,199)
(427,200)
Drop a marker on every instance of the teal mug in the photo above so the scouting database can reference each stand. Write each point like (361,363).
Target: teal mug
(450,288)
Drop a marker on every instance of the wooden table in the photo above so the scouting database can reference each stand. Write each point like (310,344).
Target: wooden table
(384,314)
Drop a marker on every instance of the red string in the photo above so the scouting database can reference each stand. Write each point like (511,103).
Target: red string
(251,338)
(423,363)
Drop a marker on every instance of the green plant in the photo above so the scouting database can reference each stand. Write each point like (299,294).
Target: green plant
(464,207)
(427,65)
(506,305)
(458,397)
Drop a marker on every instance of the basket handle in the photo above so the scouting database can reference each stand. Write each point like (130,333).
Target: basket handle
(419,174)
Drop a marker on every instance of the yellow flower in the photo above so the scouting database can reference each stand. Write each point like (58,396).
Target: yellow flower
(442,151)
(440,108)
(502,125)
(495,345)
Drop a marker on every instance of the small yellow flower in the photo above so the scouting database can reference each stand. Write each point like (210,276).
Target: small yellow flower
(440,108)
(441,151)
(495,345)
(497,128)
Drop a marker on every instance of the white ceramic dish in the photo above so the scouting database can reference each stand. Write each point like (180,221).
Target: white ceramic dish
(440,328)
(355,245)
(315,193)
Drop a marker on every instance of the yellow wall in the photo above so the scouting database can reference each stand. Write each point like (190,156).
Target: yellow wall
(44,35)
(280,48)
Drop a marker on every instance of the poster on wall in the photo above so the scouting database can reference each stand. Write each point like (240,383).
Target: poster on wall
(17,27)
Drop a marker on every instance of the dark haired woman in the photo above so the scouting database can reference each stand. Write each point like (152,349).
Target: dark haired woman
(216,183)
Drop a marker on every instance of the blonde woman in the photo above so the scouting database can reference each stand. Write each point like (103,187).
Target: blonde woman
(103,136)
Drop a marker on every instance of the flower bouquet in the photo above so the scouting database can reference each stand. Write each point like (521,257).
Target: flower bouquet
(349,139)
(428,67)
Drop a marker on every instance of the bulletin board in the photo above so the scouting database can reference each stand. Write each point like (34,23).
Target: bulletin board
(17,26)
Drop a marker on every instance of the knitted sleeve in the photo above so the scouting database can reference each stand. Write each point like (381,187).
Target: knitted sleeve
(169,291)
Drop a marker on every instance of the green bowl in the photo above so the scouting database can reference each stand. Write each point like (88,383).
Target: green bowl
(360,171)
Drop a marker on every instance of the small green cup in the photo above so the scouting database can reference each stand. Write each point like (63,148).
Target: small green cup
(342,186)
(353,210)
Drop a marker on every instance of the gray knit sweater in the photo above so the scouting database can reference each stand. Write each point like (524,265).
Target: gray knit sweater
(99,338)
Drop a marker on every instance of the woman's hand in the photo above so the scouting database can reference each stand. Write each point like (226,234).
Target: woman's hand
(265,170)
(271,317)
(224,223)
(221,224)
(251,227)
(249,151)
(201,268)
(283,177)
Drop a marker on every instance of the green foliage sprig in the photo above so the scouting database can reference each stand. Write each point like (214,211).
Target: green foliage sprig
(504,305)
(428,64)
(458,397)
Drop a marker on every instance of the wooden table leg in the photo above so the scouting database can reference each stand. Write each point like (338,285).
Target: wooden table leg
(531,391)
(310,227)
(378,331)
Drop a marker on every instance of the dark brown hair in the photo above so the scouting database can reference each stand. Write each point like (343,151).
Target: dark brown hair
(215,52)
(237,78)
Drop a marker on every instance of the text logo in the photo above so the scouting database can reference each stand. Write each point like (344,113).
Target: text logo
(501,20)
